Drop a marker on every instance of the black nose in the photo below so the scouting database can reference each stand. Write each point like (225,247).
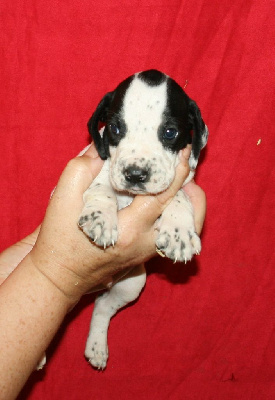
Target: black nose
(134,174)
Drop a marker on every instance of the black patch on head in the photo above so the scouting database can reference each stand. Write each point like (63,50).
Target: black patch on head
(118,96)
(108,112)
(152,77)
(114,116)
(100,116)
(182,113)
(175,117)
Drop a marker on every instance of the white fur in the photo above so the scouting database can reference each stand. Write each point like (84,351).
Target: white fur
(106,306)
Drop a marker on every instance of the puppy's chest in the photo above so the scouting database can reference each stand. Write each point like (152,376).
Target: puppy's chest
(124,200)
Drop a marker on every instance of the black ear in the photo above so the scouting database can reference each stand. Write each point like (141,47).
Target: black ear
(200,133)
(100,115)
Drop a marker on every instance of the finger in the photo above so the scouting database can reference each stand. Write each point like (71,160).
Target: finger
(149,208)
(91,151)
(182,173)
(198,200)
(78,175)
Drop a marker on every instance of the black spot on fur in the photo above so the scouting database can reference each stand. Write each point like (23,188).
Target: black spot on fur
(172,255)
(82,220)
(182,245)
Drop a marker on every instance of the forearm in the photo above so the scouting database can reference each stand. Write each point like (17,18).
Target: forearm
(32,309)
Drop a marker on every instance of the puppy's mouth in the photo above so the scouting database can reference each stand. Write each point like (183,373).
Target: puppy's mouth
(140,178)
(136,189)
(148,188)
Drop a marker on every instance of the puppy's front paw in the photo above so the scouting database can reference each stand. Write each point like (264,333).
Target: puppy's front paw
(97,354)
(100,226)
(179,243)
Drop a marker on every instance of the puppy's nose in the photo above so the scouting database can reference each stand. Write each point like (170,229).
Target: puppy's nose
(134,174)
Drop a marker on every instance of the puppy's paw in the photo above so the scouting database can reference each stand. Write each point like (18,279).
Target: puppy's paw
(100,226)
(179,243)
(97,355)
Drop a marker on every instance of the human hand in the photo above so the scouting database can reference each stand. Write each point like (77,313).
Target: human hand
(82,271)
(67,258)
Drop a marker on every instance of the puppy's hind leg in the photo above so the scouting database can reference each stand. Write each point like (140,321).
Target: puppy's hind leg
(106,306)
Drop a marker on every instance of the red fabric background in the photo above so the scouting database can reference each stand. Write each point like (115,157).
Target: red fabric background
(201,331)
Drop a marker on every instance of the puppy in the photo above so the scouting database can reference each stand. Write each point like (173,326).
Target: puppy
(147,120)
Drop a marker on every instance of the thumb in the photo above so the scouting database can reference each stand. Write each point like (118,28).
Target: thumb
(78,175)
(149,208)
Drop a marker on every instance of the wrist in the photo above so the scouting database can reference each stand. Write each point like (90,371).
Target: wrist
(61,280)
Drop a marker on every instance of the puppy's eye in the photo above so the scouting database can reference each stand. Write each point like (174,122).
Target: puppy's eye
(170,134)
(114,129)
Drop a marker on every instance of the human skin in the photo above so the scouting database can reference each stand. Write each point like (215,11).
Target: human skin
(59,264)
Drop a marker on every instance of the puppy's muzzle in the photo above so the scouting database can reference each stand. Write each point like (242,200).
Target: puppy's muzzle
(136,175)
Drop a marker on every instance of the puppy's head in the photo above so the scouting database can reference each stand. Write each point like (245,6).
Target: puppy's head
(147,120)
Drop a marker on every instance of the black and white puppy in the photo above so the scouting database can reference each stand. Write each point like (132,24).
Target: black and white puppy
(148,119)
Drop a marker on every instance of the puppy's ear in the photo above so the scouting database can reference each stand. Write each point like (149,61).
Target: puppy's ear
(200,133)
(100,116)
